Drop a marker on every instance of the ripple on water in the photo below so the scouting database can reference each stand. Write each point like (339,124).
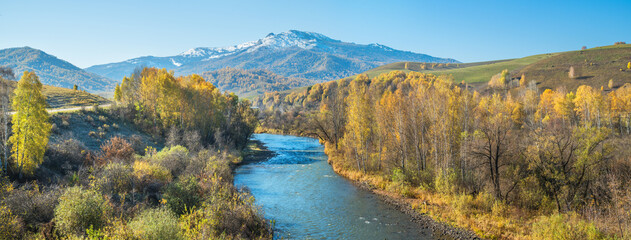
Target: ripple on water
(299,190)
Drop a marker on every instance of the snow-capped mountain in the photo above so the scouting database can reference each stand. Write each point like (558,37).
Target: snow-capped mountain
(292,54)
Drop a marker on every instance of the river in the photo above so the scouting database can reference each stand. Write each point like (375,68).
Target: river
(299,190)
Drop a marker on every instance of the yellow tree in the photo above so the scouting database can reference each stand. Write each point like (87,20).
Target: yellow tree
(31,127)
(496,143)
(118,95)
(359,121)
(522,80)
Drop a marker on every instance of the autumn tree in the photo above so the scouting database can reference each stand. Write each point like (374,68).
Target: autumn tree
(75,87)
(31,127)
(571,73)
(359,119)
(522,80)
(629,65)
(610,84)
(118,97)
(500,80)
(495,147)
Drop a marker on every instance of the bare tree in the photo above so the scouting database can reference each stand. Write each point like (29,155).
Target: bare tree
(6,73)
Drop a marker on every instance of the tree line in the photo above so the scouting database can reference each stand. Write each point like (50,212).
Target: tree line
(158,101)
(550,151)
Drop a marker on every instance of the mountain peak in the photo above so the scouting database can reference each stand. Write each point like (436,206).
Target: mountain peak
(293,53)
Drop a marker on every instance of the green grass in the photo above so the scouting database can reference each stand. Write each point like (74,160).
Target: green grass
(469,72)
(484,72)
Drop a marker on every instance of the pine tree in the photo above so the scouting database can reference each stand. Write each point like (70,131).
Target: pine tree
(31,127)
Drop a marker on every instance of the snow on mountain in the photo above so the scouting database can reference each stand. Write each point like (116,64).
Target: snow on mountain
(293,54)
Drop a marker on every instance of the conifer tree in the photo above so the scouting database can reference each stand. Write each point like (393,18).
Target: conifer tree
(31,126)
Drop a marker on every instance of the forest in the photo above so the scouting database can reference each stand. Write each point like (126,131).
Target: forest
(507,163)
(180,189)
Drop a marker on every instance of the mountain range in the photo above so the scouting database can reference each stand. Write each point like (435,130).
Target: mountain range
(52,70)
(294,54)
(275,62)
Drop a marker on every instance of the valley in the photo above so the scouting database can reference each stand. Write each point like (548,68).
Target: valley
(174,120)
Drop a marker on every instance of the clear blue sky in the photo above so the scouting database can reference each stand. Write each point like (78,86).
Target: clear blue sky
(95,32)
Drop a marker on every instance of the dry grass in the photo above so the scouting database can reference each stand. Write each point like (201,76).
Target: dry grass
(481,214)
(593,67)
(58,97)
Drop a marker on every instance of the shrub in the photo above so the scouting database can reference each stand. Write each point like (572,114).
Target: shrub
(79,209)
(69,152)
(227,213)
(147,174)
(102,118)
(10,227)
(175,159)
(402,188)
(183,195)
(116,178)
(158,223)
(398,175)
(463,203)
(32,206)
(564,226)
(218,167)
(116,150)
(445,182)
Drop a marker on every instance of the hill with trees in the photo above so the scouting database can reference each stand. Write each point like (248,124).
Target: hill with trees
(551,162)
(253,82)
(52,70)
(592,66)
(157,165)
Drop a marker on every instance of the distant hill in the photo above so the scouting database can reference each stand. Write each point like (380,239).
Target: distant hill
(293,54)
(594,67)
(52,70)
(248,83)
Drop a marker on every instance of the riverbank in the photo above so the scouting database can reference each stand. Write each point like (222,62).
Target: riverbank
(409,206)
(257,152)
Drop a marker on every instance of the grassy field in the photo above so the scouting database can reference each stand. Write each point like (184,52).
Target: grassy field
(58,97)
(593,67)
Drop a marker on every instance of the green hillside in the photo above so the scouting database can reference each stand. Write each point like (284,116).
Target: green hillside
(469,72)
(593,67)
(58,97)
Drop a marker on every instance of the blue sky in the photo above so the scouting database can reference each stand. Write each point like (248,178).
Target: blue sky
(96,32)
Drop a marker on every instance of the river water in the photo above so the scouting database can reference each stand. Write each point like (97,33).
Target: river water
(299,190)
